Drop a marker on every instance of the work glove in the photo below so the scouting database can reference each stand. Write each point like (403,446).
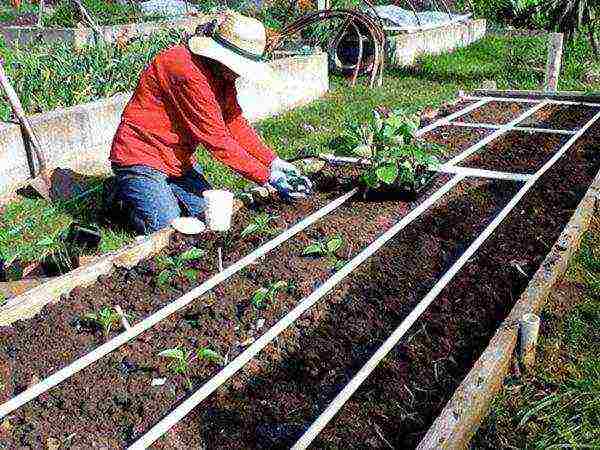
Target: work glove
(288,181)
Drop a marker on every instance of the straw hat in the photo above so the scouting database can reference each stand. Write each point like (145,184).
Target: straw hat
(235,41)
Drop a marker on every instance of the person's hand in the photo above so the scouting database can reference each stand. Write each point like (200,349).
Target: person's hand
(287,180)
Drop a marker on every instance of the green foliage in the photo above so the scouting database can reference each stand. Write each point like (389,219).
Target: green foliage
(328,248)
(3,298)
(106,318)
(181,360)
(54,75)
(267,294)
(395,153)
(260,225)
(177,266)
(66,15)
(207,354)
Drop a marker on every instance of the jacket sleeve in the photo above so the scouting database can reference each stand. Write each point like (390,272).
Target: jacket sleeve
(243,132)
(202,118)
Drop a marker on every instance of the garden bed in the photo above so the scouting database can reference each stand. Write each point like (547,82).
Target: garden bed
(277,395)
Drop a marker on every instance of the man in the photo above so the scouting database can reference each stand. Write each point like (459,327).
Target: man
(186,98)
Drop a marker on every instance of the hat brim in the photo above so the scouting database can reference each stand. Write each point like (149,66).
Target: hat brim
(254,71)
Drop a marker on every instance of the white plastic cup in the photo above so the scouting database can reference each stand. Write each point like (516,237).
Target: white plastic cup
(219,209)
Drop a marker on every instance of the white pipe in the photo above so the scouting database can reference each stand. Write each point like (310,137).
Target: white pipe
(496,134)
(241,360)
(530,100)
(39,388)
(341,399)
(496,127)
(482,173)
(529,329)
(445,120)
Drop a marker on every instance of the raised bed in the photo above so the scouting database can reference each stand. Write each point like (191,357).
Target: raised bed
(379,345)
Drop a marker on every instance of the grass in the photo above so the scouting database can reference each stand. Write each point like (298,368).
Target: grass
(99,72)
(559,406)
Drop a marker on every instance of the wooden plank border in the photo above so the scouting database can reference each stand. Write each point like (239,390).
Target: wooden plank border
(571,96)
(30,303)
(470,404)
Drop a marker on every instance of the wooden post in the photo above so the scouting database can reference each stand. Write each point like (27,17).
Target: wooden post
(555,52)
(322,4)
(529,328)
(40,14)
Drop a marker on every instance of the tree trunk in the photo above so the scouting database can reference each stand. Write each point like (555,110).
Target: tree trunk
(594,40)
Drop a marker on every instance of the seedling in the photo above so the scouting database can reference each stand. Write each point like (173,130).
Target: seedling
(260,225)
(267,294)
(3,298)
(176,266)
(181,360)
(106,318)
(328,248)
(390,142)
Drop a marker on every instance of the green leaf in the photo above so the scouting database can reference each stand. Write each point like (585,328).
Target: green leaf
(249,230)
(191,274)
(192,254)
(173,353)
(363,150)
(164,278)
(279,285)
(314,249)
(334,244)
(209,355)
(259,297)
(91,316)
(387,173)
(370,179)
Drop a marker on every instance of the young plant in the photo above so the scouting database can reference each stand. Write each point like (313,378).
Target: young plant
(267,294)
(180,362)
(106,318)
(176,266)
(261,224)
(327,248)
(182,359)
(395,152)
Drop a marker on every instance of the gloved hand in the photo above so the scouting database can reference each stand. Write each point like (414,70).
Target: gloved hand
(287,180)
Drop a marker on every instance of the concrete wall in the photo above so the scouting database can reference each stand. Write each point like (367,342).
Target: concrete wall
(79,137)
(84,36)
(404,49)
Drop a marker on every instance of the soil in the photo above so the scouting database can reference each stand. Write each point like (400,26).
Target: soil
(561,117)
(455,140)
(496,113)
(275,397)
(513,152)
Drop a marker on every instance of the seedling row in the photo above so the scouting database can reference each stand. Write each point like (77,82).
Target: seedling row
(327,344)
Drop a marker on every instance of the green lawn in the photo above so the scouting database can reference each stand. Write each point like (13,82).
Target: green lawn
(95,73)
(559,406)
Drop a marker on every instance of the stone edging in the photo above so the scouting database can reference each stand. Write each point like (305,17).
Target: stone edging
(470,403)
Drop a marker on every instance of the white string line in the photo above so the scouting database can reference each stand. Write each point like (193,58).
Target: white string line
(496,127)
(241,360)
(496,134)
(81,363)
(341,399)
(531,100)
(482,173)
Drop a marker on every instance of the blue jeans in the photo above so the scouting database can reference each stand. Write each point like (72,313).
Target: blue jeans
(151,199)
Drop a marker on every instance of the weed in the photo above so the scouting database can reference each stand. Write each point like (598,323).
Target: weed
(209,355)
(173,267)
(3,298)
(260,225)
(268,293)
(327,248)
(106,318)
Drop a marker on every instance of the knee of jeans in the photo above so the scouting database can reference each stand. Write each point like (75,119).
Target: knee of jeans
(151,221)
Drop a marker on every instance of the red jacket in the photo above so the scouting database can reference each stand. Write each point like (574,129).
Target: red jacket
(178,105)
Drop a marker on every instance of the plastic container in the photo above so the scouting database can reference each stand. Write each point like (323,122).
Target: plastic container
(219,209)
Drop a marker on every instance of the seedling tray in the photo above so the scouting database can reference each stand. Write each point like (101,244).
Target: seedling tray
(449,264)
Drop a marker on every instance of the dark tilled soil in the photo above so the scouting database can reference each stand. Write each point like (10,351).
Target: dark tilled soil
(496,113)
(455,140)
(97,410)
(561,117)
(301,373)
(517,151)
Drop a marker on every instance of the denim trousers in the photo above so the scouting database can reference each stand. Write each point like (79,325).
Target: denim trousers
(150,199)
